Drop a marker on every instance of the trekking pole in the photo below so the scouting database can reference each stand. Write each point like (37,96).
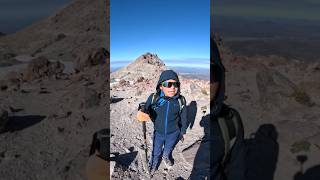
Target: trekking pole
(144,129)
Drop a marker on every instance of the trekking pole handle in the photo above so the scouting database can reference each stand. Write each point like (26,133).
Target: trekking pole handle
(142,107)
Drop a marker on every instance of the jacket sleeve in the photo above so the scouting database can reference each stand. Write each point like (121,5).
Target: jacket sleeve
(184,120)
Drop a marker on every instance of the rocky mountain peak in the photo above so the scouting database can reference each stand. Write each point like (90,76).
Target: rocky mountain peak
(147,58)
(146,66)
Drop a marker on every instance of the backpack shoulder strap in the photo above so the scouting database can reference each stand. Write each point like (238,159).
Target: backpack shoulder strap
(154,98)
(236,119)
(230,125)
(182,102)
(226,137)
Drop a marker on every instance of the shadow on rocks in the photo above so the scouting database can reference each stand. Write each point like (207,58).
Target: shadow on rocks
(262,153)
(124,160)
(179,178)
(312,173)
(17,123)
(201,163)
(115,100)
(191,113)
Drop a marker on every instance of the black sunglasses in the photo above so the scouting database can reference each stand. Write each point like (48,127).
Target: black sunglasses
(169,84)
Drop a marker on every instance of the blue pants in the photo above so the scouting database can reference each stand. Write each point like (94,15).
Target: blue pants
(163,144)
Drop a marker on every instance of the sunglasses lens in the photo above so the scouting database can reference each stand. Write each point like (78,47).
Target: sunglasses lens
(169,84)
(165,84)
(174,84)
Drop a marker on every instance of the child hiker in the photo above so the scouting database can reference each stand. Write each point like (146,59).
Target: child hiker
(167,110)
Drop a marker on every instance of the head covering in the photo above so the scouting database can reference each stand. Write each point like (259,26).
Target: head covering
(216,55)
(166,75)
(217,75)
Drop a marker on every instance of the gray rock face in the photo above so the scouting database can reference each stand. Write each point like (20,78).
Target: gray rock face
(48,135)
(292,131)
(11,81)
(13,77)
(274,87)
(4,118)
(41,67)
(7,58)
(92,57)
(91,98)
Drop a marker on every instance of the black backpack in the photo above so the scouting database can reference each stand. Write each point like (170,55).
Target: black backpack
(101,143)
(231,126)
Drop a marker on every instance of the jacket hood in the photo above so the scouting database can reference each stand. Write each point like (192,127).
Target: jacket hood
(166,75)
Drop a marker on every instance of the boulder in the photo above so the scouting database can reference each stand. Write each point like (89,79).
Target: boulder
(91,98)
(90,58)
(13,80)
(41,67)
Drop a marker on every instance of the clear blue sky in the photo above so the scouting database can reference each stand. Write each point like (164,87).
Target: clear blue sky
(172,29)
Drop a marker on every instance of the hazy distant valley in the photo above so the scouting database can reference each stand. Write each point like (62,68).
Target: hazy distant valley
(291,39)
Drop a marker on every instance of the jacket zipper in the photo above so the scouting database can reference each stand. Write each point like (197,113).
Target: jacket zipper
(166,123)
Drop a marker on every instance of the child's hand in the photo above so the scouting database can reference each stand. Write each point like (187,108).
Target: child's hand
(141,116)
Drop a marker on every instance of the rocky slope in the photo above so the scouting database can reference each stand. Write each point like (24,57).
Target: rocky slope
(64,34)
(56,96)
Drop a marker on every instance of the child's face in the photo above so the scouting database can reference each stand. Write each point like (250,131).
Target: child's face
(169,87)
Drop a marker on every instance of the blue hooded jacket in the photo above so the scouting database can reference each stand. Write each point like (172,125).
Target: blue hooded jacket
(166,112)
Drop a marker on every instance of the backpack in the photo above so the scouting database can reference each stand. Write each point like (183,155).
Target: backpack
(181,100)
(101,143)
(231,127)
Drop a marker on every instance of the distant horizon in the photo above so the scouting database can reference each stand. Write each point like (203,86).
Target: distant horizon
(200,63)
(286,9)
(251,36)
(18,14)
(187,72)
